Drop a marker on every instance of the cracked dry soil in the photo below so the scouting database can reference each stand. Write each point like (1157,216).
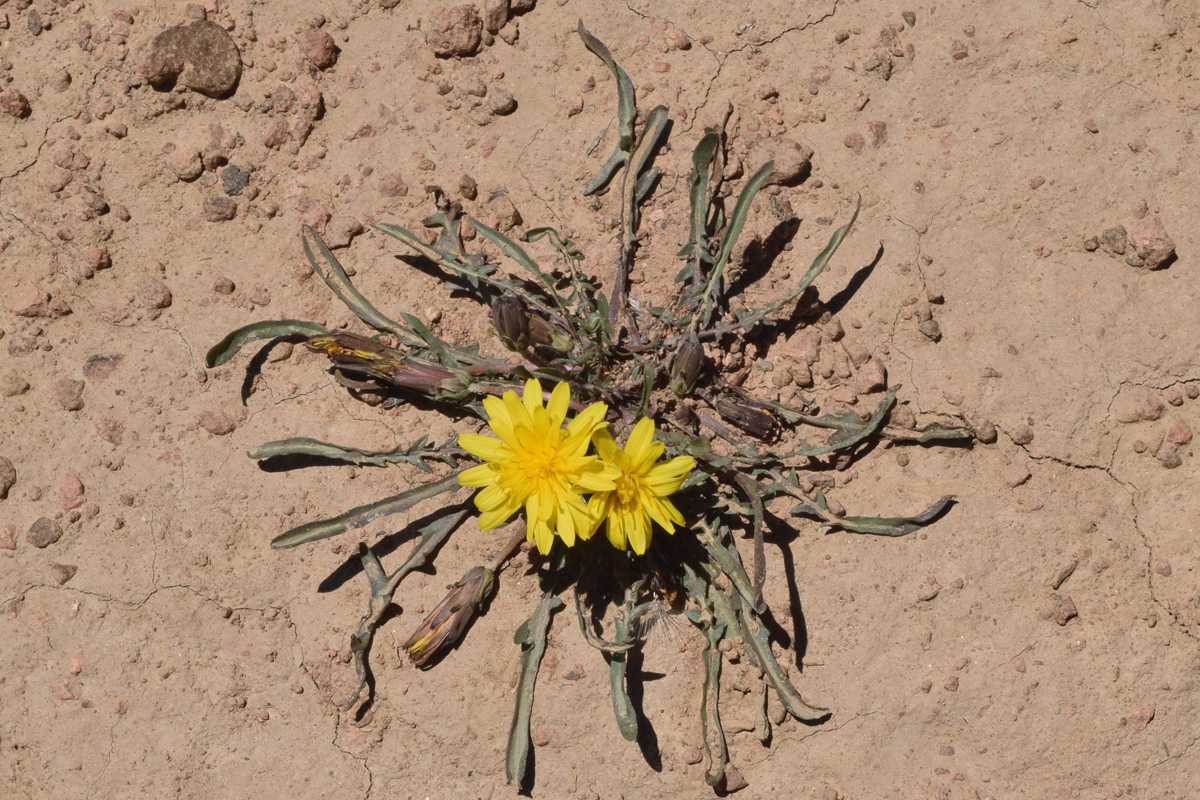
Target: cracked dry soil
(159,648)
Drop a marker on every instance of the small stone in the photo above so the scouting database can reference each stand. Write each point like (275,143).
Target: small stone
(218,423)
(219,208)
(1036,182)
(392,185)
(1141,718)
(186,163)
(792,161)
(1152,244)
(13,384)
(72,492)
(59,80)
(8,476)
(983,428)
(154,293)
(878,131)
(201,56)
(1168,456)
(43,533)
(1179,432)
(1061,608)
(503,215)
(495,14)
(855,141)
(958,50)
(1022,435)
(234,179)
(1137,404)
(691,755)
(341,231)
(468,189)
(734,780)
(931,330)
(455,31)
(97,258)
(1163,567)
(1015,475)
(951,684)
(63,572)
(14,103)
(872,377)
(1114,239)
(1173,395)
(319,47)
(541,737)
(501,103)
(27,299)
(1091,244)
(8,537)
(69,393)
(909,17)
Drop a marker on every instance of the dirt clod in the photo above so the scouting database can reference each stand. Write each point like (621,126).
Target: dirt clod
(1115,239)
(43,533)
(154,293)
(218,423)
(456,31)
(13,103)
(1061,608)
(69,393)
(219,208)
(27,299)
(72,492)
(958,50)
(872,377)
(200,55)
(501,102)
(62,573)
(1137,404)
(792,160)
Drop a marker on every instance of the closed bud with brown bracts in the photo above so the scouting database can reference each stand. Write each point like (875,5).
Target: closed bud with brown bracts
(512,323)
(757,422)
(543,333)
(686,368)
(443,626)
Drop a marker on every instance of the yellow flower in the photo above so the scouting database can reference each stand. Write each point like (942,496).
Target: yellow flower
(640,496)
(538,464)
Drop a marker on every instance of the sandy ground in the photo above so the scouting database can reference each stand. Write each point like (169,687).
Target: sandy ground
(160,648)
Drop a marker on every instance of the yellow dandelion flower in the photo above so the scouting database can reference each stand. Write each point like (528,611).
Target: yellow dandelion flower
(538,464)
(640,496)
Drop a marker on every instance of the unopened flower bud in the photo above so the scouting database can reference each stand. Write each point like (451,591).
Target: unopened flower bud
(512,323)
(757,422)
(543,333)
(443,626)
(686,368)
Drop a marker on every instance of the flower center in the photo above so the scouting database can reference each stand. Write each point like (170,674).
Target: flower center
(627,489)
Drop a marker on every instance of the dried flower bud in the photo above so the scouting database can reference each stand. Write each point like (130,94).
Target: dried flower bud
(443,626)
(685,370)
(543,333)
(354,353)
(512,323)
(757,422)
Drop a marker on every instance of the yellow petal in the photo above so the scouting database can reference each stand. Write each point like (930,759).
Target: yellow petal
(491,498)
(606,445)
(637,446)
(638,532)
(566,526)
(499,419)
(560,403)
(485,447)
(516,411)
(543,536)
(533,395)
(481,475)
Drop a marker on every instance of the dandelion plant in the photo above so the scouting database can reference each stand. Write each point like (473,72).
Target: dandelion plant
(683,502)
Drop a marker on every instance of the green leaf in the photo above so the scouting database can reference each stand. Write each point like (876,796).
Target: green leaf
(302,445)
(885,526)
(364,515)
(696,250)
(592,637)
(227,348)
(730,563)
(517,254)
(819,263)
(736,222)
(335,278)
(626,111)
(756,637)
(710,701)
(532,638)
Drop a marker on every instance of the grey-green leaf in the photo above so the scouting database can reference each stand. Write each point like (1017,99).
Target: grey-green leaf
(228,347)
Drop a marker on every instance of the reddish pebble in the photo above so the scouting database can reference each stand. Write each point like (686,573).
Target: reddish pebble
(1179,432)
(218,423)
(1015,475)
(1141,718)
(660,66)
(1061,608)
(1152,244)
(872,377)
(27,299)
(8,537)
(854,141)
(72,492)
(320,49)
(541,738)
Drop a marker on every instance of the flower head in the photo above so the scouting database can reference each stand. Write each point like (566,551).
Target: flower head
(639,497)
(538,464)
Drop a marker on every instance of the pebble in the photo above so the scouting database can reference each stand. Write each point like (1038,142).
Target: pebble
(1153,246)
(983,428)
(1115,239)
(235,180)
(154,293)
(872,377)
(1173,396)
(219,208)
(501,102)
(97,258)
(1137,404)
(467,187)
(1192,391)
(218,423)
(69,393)
(1022,435)
(495,14)
(1061,608)
(1141,718)
(73,493)
(27,299)
(878,131)
(541,737)
(14,103)
(1168,456)
(958,50)
(43,533)
(455,31)
(931,330)
(99,368)
(1179,432)
(792,160)
(1015,475)
(186,163)
(854,141)
(13,384)
(392,185)
(1163,567)
(63,572)
(201,56)
(8,538)
(319,47)
(951,684)
(8,476)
